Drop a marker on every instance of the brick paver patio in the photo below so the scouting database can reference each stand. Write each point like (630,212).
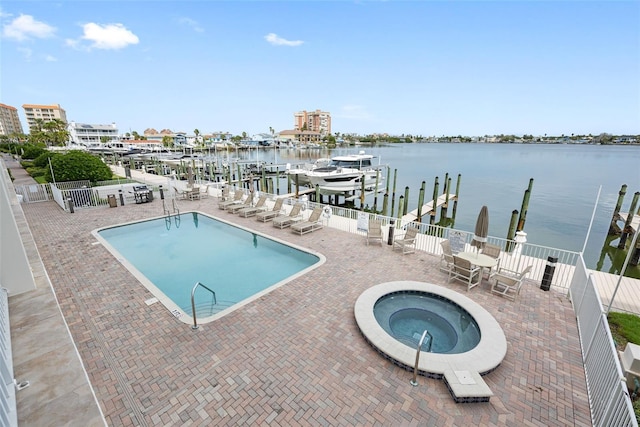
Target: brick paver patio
(294,356)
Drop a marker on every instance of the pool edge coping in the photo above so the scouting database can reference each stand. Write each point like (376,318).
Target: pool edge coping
(168,303)
(484,358)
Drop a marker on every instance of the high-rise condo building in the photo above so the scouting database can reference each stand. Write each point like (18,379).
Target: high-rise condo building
(315,121)
(9,120)
(46,113)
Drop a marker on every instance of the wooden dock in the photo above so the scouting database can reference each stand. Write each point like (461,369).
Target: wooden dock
(635,221)
(427,208)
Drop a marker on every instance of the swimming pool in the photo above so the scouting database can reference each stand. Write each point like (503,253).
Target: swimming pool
(238,264)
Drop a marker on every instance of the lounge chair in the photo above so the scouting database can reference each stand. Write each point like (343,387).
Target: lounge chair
(446,260)
(465,272)
(274,212)
(253,210)
(508,282)
(406,243)
(374,232)
(248,202)
(284,221)
(237,199)
(313,223)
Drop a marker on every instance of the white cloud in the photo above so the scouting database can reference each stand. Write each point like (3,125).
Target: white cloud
(50,58)
(109,36)
(25,27)
(191,23)
(279,41)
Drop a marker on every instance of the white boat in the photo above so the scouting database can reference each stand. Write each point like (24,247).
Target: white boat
(300,171)
(346,173)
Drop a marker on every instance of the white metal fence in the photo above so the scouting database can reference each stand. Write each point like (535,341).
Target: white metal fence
(608,395)
(8,413)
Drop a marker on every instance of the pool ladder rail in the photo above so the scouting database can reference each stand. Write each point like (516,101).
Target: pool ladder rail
(193,302)
(168,214)
(414,381)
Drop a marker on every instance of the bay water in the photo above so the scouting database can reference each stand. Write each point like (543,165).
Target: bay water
(566,182)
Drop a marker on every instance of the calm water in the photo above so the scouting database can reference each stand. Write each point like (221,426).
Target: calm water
(565,187)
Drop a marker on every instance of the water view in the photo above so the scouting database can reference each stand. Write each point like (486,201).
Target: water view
(566,182)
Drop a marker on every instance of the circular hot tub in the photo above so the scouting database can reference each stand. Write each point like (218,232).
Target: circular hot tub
(462,335)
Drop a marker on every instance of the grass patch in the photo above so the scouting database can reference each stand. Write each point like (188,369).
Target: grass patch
(624,328)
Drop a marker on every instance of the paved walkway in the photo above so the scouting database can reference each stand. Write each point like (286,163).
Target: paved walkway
(294,356)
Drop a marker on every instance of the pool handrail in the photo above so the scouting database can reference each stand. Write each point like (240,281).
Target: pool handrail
(193,303)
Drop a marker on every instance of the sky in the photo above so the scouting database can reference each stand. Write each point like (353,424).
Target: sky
(427,68)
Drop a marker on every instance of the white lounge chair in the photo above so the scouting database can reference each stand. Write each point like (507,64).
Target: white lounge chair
(508,282)
(274,212)
(284,221)
(237,199)
(310,225)
(253,210)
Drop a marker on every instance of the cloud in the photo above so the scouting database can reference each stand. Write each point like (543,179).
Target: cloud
(191,23)
(273,39)
(109,36)
(24,27)
(50,58)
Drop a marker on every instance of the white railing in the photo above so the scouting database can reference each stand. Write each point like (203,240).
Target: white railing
(8,412)
(431,235)
(608,395)
(32,193)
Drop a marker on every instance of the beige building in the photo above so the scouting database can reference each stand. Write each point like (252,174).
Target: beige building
(315,121)
(46,113)
(9,120)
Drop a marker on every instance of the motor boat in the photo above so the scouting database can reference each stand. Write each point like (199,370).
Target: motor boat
(346,173)
(299,172)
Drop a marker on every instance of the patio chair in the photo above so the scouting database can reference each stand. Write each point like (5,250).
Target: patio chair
(274,212)
(507,283)
(253,210)
(374,232)
(204,192)
(464,272)
(446,260)
(284,221)
(181,194)
(237,199)
(313,223)
(406,243)
(494,252)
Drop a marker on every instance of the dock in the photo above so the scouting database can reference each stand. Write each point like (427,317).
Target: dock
(428,208)
(635,221)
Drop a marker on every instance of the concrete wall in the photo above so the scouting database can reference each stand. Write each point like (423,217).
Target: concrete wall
(15,270)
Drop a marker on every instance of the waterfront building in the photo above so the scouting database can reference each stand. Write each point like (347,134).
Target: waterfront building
(90,134)
(314,121)
(299,136)
(46,113)
(9,120)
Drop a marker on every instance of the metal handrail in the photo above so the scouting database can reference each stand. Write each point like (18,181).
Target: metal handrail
(193,302)
(414,381)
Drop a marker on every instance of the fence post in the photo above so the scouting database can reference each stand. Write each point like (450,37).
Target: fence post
(121,198)
(70,202)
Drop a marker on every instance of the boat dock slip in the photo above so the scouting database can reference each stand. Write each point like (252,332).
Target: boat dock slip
(428,208)
(635,221)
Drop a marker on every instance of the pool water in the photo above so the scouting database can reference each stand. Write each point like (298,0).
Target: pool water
(406,315)
(234,262)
